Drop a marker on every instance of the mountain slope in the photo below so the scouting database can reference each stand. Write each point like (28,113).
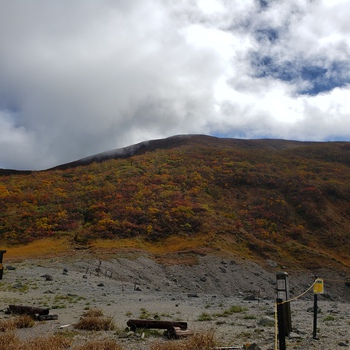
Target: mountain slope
(177,141)
(263,199)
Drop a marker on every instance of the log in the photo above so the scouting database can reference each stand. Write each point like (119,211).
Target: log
(27,310)
(47,317)
(169,325)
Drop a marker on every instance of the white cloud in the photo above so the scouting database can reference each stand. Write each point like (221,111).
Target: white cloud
(82,77)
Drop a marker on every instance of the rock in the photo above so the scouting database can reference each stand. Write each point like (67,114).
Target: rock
(47,277)
(10,268)
(250,297)
(294,335)
(267,321)
(271,263)
(124,335)
(344,344)
(192,295)
(100,285)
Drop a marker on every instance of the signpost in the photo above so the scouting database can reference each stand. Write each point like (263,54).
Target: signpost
(318,289)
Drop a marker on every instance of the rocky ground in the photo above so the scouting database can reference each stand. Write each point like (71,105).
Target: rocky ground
(233,296)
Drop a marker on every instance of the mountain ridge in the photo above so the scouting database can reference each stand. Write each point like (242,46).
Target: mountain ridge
(181,140)
(175,141)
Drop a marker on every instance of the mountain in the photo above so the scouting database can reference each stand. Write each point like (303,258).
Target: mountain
(287,201)
(177,141)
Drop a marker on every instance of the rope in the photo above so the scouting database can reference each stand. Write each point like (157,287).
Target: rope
(284,302)
(295,298)
(338,281)
(299,296)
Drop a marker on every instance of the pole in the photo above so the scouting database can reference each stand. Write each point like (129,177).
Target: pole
(281,325)
(314,335)
(2,252)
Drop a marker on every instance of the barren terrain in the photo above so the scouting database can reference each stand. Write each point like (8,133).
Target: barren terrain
(198,289)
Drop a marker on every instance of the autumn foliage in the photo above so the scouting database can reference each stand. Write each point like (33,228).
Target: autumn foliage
(263,197)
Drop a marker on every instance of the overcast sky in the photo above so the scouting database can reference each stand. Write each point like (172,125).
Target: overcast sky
(79,77)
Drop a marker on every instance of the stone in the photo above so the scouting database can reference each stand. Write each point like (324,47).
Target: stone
(267,321)
(48,278)
(271,263)
(294,335)
(192,295)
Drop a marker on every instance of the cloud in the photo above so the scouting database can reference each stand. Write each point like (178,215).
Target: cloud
(83,77)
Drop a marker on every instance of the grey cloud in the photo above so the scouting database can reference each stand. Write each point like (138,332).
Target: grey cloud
(79,78)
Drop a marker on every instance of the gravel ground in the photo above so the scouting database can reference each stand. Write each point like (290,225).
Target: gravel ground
(134,286)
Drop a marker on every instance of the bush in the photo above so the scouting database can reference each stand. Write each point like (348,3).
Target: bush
(8,341)
(202,340)
(95,324)
(94,320)
(23,321)
(105,344)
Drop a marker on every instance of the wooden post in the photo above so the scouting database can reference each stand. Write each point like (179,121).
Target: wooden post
(281,325)
(2,252)
(283,294)
(314,334)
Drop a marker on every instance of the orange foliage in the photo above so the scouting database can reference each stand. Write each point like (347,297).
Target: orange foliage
(259,196)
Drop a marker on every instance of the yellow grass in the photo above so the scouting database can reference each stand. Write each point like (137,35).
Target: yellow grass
(94,320)
(200,341)
(36,249)
(52,247)
(171,244)
(9,341)
(106,344)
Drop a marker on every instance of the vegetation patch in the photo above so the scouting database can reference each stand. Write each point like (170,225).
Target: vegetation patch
(105,344)
(204,316)
(232,310)
(200,340)
(23,321)
(251,198)
(94,320)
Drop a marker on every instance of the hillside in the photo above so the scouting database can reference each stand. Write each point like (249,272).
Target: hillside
(263,199)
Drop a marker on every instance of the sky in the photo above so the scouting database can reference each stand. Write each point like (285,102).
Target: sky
(80,77)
